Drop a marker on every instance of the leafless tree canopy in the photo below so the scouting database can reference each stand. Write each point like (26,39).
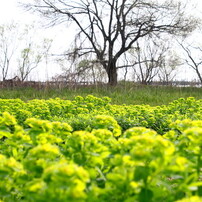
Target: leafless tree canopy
(193,60)
(109,28)
(7,47)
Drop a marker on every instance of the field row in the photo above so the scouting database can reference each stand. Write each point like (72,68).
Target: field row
(80,112)
(90,150)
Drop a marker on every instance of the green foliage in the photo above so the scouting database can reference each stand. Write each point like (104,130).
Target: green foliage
(123,93)
(90,150)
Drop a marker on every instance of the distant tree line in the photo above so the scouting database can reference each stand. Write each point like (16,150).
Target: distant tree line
(116,39)
(109,29)
(20,53)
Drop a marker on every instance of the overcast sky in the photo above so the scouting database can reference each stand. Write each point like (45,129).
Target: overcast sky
(11,11)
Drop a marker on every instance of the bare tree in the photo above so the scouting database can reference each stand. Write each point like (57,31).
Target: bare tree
(31,56)
(91,70)
(8,44)
(169,66)
(83,70)
(193,60)
(149,56)
(27,62)
(109,28)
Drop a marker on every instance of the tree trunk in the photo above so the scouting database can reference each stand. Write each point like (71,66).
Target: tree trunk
(112,74)
(199,74)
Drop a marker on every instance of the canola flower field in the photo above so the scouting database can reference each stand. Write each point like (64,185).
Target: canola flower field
(88,150)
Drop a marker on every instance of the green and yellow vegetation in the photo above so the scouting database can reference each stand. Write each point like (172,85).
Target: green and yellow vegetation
(121,94)
(88,149)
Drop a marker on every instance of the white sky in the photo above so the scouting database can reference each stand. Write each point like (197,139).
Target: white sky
(10,11)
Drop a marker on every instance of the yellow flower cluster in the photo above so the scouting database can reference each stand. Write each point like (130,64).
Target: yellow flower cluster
(89,150)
